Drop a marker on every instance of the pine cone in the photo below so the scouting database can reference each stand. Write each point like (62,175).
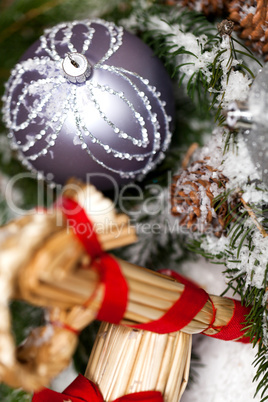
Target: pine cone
(192,198)
(208,7)
(251,18)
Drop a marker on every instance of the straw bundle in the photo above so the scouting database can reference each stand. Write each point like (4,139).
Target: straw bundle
(125,360)
(46,236)
(51,268)
(48,349)
(150,294)
(43,262)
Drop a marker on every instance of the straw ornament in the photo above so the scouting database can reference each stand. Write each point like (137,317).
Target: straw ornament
(69,272)
(124,361)
(48,349)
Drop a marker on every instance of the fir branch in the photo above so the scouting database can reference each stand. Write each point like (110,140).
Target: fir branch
(240,253)
(206,84)
(8,394)
(245,258)
(197,55)
(239,282)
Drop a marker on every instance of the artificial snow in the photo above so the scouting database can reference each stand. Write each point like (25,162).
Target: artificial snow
(226,370)
(253,262)
(234,84)
(236,87)
(235,164)
(246,9)
(238,167)
(226,373)
(196,59)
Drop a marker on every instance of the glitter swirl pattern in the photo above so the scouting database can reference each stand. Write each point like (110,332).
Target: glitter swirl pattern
(40,102)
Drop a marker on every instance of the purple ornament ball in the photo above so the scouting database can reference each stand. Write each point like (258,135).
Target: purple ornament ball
(89,100)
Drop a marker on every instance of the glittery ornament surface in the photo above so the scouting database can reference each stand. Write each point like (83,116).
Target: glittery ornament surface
(257,137)
(115,123)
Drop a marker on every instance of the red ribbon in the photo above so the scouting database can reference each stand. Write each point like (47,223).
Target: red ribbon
(81,225)
(116,290)
(233,331)
(84,390)
(191,301)
(115,298)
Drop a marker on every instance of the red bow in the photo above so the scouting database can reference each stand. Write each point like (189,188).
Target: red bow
(84,390)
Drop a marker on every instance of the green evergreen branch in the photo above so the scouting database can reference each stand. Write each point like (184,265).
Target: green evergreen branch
(204,86)
(206,79)
(240,235)
(247,52)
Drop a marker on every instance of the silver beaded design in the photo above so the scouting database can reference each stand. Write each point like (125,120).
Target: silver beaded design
(48,96)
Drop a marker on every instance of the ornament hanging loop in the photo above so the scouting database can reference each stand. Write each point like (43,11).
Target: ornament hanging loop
(73,62)
(76,68)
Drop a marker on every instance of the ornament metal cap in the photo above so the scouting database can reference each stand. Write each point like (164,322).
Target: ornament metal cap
(238,115)
(76,68)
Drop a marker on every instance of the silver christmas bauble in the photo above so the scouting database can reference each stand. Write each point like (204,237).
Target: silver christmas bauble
(257,136)
(89,100)
(252,116)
